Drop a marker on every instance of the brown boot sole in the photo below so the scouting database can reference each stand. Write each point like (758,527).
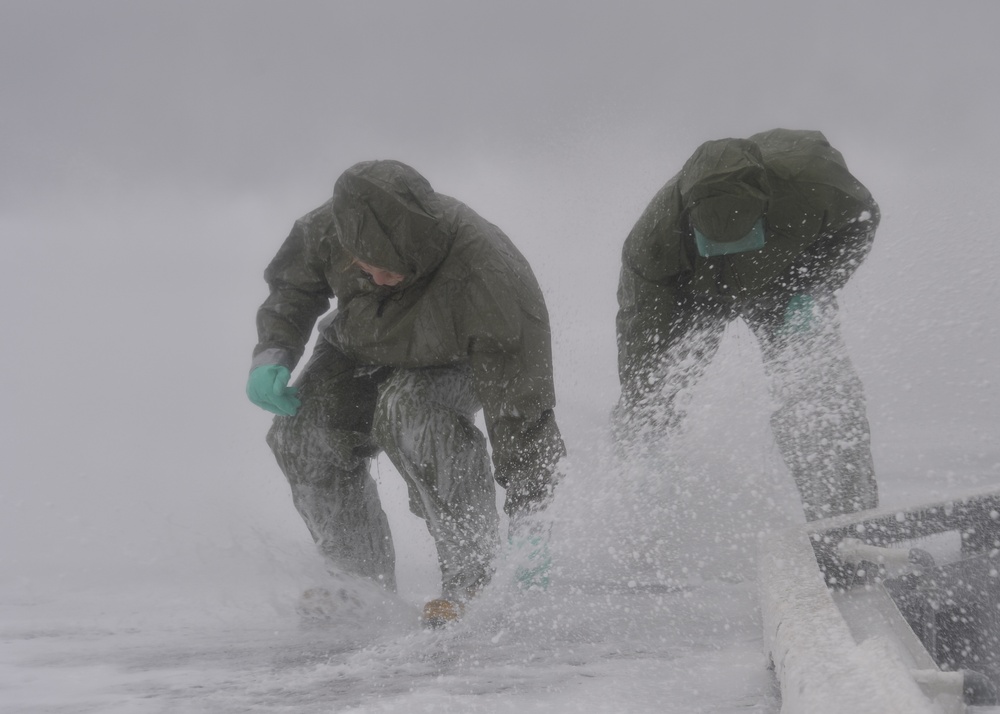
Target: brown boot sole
(440,613)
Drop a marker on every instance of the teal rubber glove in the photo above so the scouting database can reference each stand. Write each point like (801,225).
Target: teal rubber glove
(268,389)
(799,315)
(533,561)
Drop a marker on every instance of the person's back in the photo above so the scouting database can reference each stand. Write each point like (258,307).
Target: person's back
(814,210)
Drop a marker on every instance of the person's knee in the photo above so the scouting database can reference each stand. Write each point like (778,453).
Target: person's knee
(305,450)
(408,402)
(399,398)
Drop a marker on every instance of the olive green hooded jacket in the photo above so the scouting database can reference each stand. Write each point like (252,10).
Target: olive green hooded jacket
(468,298)
(819,226)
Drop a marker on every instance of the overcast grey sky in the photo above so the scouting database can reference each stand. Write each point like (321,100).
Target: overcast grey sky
(154,155)
(235,96)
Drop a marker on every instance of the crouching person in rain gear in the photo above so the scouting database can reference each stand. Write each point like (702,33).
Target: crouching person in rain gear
(765,229)
(437,316)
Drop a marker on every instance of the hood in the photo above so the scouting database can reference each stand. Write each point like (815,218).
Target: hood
(724,188)
(387,215)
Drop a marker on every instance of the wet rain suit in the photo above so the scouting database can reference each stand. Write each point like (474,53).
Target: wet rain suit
(404,369)
(674,303)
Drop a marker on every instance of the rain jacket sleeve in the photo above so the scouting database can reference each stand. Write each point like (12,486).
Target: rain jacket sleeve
(830,262)
(646,310)
(653,258)
(299,294)
(510,355)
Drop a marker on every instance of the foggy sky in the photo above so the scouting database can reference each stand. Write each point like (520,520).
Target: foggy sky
(233,96)
(154,155)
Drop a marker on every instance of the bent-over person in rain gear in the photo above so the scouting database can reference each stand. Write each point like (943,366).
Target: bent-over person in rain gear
(766,229)
(437,316)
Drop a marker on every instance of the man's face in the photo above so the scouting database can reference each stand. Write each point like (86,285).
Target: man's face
(380,276)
